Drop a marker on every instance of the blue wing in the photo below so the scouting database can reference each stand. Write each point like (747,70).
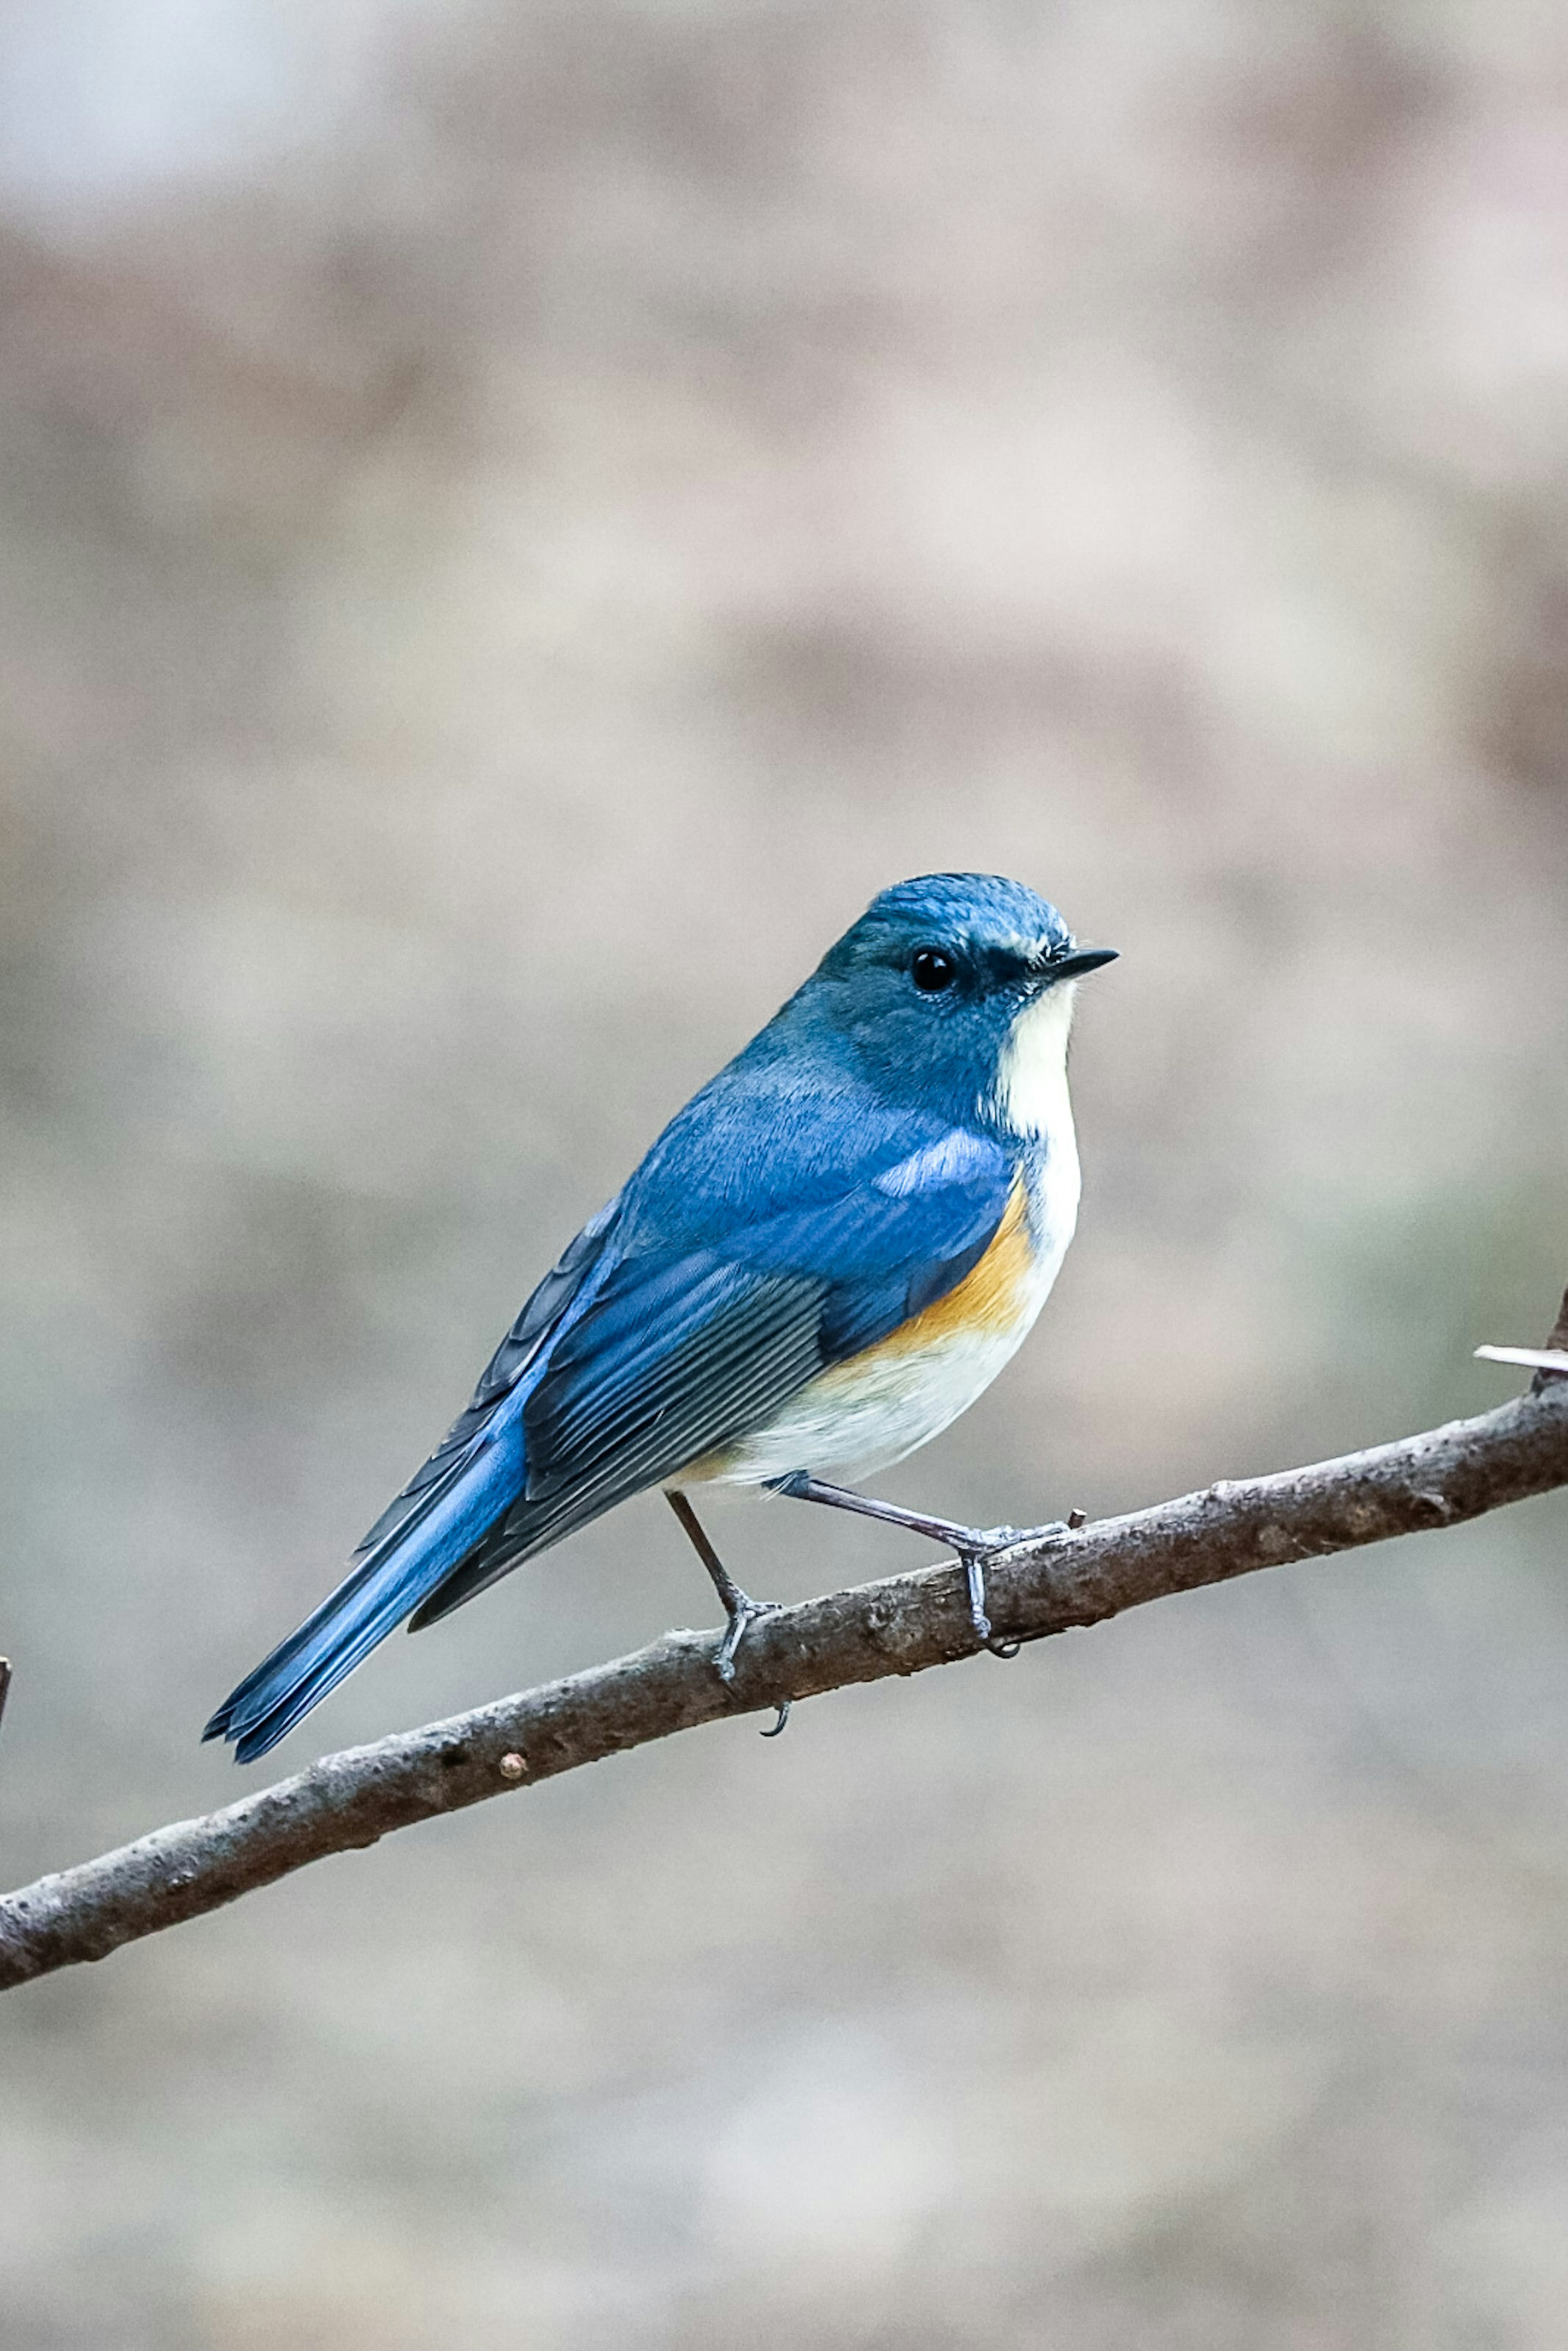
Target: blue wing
(761,1241)
(687,1347)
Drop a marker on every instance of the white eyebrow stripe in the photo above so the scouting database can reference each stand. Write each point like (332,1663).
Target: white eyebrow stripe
(948,1162)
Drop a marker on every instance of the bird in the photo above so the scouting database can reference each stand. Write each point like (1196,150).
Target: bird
(825,1258)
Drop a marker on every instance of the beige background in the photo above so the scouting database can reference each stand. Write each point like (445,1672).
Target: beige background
(515,523)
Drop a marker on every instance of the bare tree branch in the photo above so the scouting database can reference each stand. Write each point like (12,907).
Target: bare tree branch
(900,1625)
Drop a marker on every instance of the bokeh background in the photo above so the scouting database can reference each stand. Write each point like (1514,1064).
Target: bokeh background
(515,521)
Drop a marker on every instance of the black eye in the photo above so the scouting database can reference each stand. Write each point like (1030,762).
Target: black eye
(932,969)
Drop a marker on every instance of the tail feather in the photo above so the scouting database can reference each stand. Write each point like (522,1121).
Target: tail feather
(386,1585)
(518,1534)
(299,1674)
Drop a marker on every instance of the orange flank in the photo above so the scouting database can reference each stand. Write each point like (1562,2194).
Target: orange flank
(993,1298)
(893,1394)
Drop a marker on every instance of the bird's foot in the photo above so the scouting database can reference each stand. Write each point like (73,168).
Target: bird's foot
(974,1546)
(739,1606)
(743,1613)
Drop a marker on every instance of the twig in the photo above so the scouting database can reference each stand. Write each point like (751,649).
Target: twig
(4,1685)
(1549,1362)
(901,1626)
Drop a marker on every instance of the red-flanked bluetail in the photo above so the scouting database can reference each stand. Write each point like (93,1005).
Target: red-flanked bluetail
(824,1258)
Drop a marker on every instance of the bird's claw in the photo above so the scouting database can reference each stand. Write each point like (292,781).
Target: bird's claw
(744,1612)
(974,1551)
(975,1577)
(985,1540)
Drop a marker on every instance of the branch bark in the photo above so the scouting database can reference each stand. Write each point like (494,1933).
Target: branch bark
(900,1625)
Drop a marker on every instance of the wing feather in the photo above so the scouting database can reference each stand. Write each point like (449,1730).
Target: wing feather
(679,1354)
(566,1291)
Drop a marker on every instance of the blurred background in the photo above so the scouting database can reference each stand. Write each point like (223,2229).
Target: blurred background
(516,522)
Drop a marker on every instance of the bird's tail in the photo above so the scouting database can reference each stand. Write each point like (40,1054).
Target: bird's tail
(400,1566)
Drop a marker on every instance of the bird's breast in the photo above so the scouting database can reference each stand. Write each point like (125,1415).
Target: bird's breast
(893,1396)
(991,1302)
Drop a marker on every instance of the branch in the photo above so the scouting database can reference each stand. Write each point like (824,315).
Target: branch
(900,1625)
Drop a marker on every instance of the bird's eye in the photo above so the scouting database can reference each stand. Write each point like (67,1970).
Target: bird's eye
(932,969)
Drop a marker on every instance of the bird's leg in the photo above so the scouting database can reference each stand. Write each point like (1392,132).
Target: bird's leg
(972,1544)
(739,1606)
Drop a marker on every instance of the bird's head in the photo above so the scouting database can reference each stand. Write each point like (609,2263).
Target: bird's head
(955,993)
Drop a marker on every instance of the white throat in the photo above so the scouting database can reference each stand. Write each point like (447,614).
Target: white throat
(1032,1076)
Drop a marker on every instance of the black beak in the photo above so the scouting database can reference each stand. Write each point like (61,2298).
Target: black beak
(1076,961)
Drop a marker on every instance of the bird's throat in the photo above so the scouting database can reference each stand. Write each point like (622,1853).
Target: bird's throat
(1031,1097)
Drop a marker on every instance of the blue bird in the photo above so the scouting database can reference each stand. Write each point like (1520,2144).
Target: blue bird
(824,1258)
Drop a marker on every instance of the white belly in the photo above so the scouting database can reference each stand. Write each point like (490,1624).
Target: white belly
(851,1420)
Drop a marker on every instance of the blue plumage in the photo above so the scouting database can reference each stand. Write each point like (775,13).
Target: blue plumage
(850,1168)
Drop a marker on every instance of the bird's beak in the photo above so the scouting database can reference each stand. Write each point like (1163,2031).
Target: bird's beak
(1076,962)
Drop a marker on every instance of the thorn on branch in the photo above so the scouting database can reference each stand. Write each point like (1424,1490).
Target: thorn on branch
(1549,1362)
(1557,1341)
(1558,1337)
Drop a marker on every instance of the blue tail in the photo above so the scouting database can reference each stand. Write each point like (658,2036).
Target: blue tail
(402,1564)
(467,1491)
